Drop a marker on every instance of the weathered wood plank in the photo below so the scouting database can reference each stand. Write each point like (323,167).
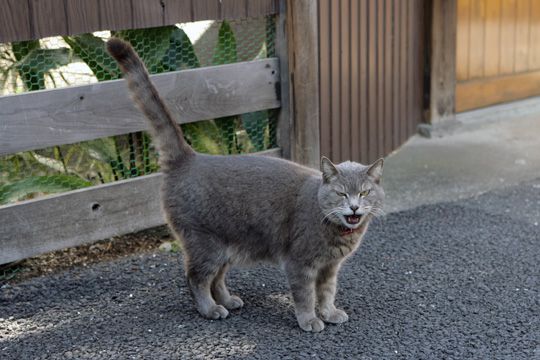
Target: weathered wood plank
(48,17)
(303,43)
(82,15)
(62,116)
(261,8)
(234,9)
(443,61)
(116,14)
(14,21)
(147,13)
(177,11)
(206,9)
(82,216)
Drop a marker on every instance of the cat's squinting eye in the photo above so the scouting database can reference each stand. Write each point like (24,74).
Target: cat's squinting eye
(341,193)
(364,193)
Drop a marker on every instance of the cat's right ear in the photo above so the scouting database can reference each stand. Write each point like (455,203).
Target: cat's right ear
(328,169)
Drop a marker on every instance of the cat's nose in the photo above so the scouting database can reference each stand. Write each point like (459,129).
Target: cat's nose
(354,208)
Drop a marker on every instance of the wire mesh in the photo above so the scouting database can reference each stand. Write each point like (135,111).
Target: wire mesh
(82,59)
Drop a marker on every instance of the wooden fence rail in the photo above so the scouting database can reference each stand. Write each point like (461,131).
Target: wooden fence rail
(34,19)
(78,113)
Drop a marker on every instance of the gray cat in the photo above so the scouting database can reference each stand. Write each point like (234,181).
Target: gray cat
(236,210)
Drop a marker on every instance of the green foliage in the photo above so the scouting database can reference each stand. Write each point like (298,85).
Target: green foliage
(24,188)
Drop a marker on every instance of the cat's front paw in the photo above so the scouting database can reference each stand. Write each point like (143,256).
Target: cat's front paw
(233,303)
(215,312)
(334,316)
(313,324)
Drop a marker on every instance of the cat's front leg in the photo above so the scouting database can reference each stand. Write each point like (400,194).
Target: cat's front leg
(326,294)
(302,283)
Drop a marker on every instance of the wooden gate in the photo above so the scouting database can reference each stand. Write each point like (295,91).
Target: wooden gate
(371,76)
(498,52)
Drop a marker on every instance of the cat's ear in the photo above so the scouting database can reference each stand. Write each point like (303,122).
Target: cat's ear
(375,170)
(328,169)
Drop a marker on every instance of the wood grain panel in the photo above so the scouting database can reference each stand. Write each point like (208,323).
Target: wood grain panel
(207,9)
(335,80)
(396,68)
(234,9)
(177,11)
(388,79)
(354,80)
(48,17)
(41,119)
(372,80)
(147,13)
(325,76)
(522,35)
(492,38)
(261,7)
(475,94)
(116,14)
(380,78)
(534,37)
(462,39)
(403,70)
(508,36)
(364,78)
(345,76)
(82,15)
(477,41)
(15,21)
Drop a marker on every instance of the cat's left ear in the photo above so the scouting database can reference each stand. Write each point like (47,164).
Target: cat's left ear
(375,170)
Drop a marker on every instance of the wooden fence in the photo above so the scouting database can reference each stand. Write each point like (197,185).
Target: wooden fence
(365,56)
(34,19)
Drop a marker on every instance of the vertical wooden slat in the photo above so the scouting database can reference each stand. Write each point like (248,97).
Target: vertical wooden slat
(403,72)
(177,11)
(412,59)
(508,34)
(335,78)
(477,42)
(325,71)
(355,76)
(234,9)
(492,37)
(389,76)
(398,116)
(206,9)
(285,122)
(15,21)
(82,15)
(463,37)
(147,13)
(534,39)
(345,75)
(522,35)
(48,17)
(260,7)
(380,78)
(116,14)
(364,81)
(372,80)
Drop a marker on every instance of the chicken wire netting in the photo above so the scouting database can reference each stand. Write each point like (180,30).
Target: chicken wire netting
(82,59)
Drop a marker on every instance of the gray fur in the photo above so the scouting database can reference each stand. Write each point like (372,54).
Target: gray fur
(238,210)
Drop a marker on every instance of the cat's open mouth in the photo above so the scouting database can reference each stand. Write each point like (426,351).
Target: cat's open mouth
(353,219)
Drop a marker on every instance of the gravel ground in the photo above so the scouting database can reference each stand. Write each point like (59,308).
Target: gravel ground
(448,281)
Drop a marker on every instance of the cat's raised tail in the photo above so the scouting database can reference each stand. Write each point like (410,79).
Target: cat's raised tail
(170,140)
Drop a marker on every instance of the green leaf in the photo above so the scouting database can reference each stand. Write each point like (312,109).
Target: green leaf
(225,51)
(33,67)
(91,49)
(40,184)
(180,54)
(22,48)
(255,124)
(204,137)
(151,44)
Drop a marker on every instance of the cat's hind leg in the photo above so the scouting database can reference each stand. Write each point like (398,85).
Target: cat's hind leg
(204,260)
(221,293)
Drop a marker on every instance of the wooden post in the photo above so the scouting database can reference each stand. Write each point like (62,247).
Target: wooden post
(443,61)
(301,24)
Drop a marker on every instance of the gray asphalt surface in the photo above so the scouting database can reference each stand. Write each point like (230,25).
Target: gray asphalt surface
(448,281)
